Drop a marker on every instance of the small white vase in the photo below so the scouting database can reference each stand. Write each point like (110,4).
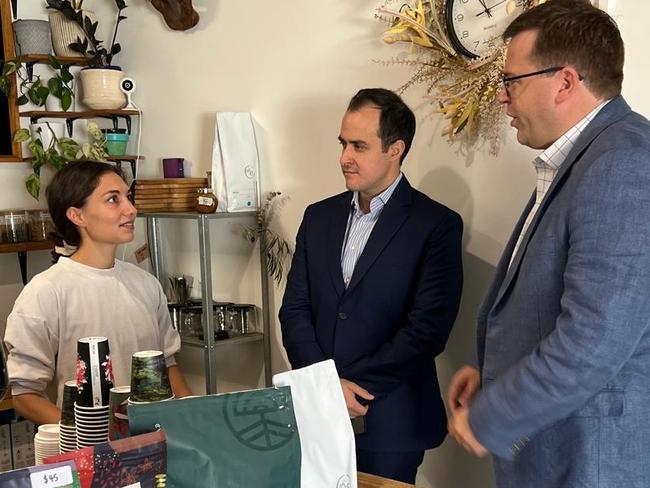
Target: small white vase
(101,88)
(44,133)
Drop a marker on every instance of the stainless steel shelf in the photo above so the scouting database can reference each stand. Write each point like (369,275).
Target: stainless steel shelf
(251,337)
(209,345)
(196,215)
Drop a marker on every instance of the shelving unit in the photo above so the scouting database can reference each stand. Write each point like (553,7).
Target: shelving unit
(71,116)
(22,248)
(209,345)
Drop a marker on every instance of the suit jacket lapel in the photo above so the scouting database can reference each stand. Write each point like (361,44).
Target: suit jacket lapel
(609,114)
(391,219)
(336,233)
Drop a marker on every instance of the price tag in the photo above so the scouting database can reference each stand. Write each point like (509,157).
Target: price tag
(52,478)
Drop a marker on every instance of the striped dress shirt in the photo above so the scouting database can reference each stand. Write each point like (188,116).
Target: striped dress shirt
(548,163)
(360,226)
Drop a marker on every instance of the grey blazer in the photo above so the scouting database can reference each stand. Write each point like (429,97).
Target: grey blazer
(563,337)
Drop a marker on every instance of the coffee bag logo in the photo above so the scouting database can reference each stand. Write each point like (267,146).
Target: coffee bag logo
(258,423)
(344,482)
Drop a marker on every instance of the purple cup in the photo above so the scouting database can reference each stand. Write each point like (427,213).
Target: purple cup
(173,168)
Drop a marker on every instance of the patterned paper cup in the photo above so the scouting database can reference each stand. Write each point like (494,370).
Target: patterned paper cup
(118,427)
(94,372)
(149,379)
(67,405)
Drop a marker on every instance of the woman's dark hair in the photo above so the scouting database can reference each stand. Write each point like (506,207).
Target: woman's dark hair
(71,187)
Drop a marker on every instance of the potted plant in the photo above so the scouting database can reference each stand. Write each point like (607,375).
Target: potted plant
(59,151)
(66,31)
(37,91)
(100,80)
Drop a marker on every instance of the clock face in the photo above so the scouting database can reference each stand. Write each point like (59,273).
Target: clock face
(472,24)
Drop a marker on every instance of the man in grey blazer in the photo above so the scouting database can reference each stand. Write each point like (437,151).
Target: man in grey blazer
(561,391)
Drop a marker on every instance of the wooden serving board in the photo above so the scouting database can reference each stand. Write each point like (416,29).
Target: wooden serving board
(165,198)
(166,191)
(173,181)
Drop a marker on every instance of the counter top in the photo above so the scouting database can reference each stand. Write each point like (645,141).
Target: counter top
(372,481)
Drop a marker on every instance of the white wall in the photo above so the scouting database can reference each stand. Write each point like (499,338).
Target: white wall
(294,65)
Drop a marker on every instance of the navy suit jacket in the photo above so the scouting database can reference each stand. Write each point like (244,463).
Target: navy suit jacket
(564,332)
(383,331)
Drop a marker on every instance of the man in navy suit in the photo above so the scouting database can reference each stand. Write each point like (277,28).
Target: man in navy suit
(564,330)
(375,285)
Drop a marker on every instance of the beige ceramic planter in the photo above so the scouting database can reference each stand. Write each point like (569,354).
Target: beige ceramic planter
(101,88)
(65,32)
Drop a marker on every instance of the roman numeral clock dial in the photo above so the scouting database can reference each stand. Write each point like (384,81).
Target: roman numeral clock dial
(473,24)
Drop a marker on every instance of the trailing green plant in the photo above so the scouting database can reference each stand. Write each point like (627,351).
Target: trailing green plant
(59,151)
(28,90)
(33,89)
(277,250)
(91,47)
(60,84)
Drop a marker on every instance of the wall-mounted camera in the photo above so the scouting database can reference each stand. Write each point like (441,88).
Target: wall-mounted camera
(127,85)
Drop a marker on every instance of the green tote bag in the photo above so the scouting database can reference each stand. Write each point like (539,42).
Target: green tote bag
(232,440)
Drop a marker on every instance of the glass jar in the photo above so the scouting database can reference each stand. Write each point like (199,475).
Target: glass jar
(40,225)
(14,226)
(206,201)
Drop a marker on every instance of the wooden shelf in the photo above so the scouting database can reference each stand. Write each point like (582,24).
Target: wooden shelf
(21,248)
(26,246)
(126,157)
(85,114)
(67,60)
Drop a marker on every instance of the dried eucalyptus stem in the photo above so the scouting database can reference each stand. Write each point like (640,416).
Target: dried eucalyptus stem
(277,250)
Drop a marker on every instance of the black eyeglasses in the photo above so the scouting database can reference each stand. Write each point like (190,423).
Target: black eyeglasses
(507,80)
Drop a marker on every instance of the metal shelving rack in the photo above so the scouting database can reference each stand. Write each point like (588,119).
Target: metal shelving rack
(209,345)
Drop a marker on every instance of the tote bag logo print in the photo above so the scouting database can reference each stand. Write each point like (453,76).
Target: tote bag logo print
(256,425)
(344,482)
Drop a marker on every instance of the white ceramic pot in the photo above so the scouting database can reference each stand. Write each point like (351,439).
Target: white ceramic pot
(101,88)
(65,32)
(53,104)
(44,131)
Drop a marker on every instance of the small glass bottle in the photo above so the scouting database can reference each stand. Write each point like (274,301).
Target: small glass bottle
(206,201)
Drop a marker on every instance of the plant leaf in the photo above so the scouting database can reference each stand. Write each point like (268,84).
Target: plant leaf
(21,135)
(33,185)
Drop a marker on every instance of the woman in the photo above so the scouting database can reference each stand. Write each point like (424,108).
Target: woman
(89,293)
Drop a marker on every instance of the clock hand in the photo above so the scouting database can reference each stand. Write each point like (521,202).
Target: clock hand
(486,10)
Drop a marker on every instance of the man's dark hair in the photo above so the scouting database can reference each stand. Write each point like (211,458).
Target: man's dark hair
(396,120)
(574,32)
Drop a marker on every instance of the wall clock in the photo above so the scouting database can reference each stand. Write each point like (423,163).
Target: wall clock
(474,24)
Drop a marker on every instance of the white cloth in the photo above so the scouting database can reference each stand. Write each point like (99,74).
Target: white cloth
(69,301)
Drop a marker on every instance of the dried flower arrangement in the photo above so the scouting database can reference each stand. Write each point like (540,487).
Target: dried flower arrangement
(277,250)
(462,89)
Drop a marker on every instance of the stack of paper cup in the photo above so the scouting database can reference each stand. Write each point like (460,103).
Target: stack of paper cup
(46,442)
(67,428)
(94,381)
(92,425)
(149,378)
